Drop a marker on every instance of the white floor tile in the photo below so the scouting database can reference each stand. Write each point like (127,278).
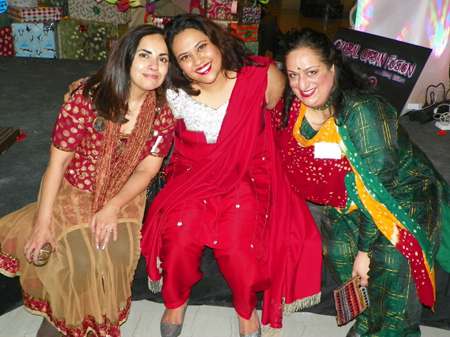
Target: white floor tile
(200,321)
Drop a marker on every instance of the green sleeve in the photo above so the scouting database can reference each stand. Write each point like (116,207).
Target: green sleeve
(372,127)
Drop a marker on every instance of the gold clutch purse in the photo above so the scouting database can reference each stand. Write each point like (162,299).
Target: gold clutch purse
(44,255)
(350,300)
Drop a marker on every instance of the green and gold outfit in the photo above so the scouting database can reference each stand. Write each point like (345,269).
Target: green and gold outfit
(383,197)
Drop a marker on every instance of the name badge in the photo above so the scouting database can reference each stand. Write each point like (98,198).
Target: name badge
(327,151)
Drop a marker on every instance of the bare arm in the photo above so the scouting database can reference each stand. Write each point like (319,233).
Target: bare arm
(41,233)
(107,218)
(275,86)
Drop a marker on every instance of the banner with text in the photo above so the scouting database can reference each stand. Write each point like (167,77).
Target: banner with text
(393,66)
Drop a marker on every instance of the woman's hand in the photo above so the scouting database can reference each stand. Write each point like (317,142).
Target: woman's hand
(39,236)
(74,85)
(51,182)
(104,225)
(361,267)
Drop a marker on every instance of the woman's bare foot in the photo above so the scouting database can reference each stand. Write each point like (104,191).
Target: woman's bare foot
(175,316)
(247,327)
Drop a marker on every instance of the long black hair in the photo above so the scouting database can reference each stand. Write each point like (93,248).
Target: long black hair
(109,87)
(234,54)
(346,76)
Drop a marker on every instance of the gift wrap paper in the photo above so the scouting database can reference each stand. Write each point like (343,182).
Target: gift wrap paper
(183,4)
(245,31)
(161,21)
(91,10)
(6,41)
(56,3)
(23,3)
(34,39)
(4,20)
(215,9)
(252,46)
(251,14)
(40,14)
(86,40)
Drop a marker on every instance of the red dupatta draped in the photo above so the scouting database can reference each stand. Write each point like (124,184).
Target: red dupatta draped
(219,172)
(294,250)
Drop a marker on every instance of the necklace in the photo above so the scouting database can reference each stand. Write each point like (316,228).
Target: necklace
(324,106)
(317,118)
(327,133)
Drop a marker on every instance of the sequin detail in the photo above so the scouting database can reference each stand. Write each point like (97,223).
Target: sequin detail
(197,116)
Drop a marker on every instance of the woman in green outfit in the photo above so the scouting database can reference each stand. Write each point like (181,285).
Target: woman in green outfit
(386,205)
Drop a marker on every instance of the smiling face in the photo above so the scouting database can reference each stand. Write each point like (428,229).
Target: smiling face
(197,56)
(309,77)
(150,64)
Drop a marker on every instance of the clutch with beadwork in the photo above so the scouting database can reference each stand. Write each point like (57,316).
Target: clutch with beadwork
(351,299)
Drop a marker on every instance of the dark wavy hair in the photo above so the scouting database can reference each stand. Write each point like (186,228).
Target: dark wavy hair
(234,54)
(109,87)
(346,77)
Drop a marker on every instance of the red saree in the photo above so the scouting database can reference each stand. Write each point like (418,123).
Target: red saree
(293,252)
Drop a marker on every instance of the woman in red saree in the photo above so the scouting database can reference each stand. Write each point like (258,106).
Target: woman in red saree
(224,186)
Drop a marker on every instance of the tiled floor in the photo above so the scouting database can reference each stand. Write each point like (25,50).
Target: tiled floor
(207,321)
(200,321)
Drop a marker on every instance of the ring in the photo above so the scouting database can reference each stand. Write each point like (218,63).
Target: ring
(109,231)
(27,248)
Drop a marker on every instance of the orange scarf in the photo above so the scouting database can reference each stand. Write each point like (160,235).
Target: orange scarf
(113,168)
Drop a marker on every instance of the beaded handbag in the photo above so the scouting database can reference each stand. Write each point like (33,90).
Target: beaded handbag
(350,300)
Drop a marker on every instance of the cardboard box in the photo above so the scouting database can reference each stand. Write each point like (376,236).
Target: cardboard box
(23,3)
(253,46)
(6,41)
(251,14)
(34,39)
(4,20)
(247,32)
(86,40)
(91,10)
(40,14)
(215,9)
(56,3)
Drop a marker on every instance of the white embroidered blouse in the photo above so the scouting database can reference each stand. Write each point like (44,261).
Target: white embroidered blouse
(197,116)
